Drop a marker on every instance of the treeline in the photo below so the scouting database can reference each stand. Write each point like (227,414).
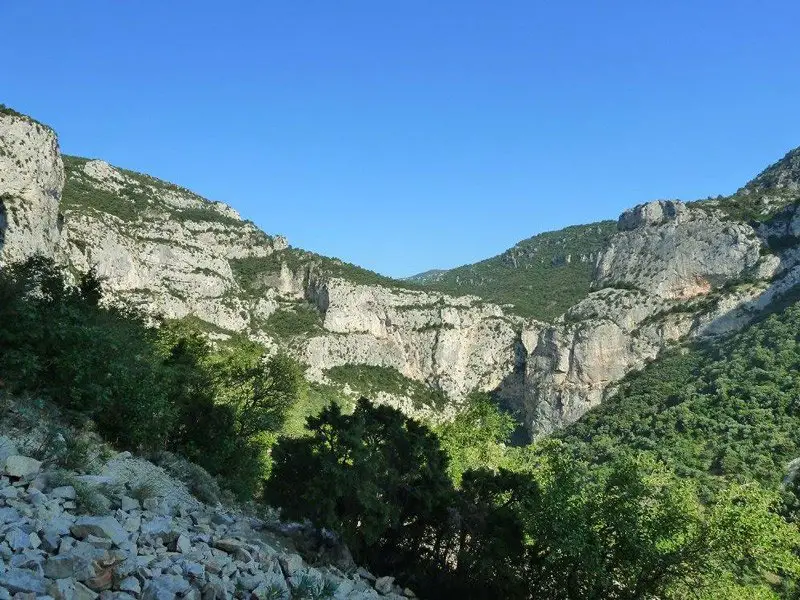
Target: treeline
(146,388)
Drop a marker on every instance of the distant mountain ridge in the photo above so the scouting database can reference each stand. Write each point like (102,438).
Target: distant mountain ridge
(539,277)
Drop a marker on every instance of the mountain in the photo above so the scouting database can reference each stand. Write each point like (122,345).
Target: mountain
(588,304)
(540,277)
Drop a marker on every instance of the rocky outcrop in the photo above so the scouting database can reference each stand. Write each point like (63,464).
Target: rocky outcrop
(674,252)
(455,344)
(31,180)
(672,272)
(167,261)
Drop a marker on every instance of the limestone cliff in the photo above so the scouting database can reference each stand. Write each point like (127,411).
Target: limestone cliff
(31,179)
(669,272)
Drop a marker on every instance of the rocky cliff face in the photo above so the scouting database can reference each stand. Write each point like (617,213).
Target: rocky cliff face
(161,247)
(670,272)
(454,344)
(31,179)
(673,271)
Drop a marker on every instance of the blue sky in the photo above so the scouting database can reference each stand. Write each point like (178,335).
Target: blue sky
(410,135)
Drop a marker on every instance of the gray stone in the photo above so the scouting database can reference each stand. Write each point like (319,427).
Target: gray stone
(9,515)
(50,540)
(22,580)
(7,448)
(67,492)
(193,569)
(273,587)
(61,589)
(164,587)
(215,590)
(220,518)
(84,593)
(29,559)
(183,544)
(59,567)
(21,466)
(130,585)
(18,540)
(36,497)
(291,564)
(60,525)
(128,504)
(162,528)
(34,540)
(99,542)
(383,585)
(9,493)
(105,527)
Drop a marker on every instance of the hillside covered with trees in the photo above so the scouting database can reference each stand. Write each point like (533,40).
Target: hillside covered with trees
(671,491)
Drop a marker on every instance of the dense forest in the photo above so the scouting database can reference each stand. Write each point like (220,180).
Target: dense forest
(671,490)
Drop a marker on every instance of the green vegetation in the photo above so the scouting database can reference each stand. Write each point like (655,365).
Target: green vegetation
(145,389)
(556,528)
(671,489)
(534,276)
(751,205)
(713,413)
(299,320)
(765,196)
(137,196)
(476,438)
(7,110)
(369,380)
(82,192)
(253,272)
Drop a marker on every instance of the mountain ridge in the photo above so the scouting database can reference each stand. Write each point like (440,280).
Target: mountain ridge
(663,273)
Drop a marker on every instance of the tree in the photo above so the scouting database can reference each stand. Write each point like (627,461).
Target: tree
(476,438)
(260,390)
(376,476)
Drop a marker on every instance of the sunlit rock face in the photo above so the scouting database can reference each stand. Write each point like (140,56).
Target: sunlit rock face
(31,180)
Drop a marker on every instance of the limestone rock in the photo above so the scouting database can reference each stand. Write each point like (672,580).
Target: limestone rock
(23,580)
(675,252)
(31,180)
(21,466)
(104,527)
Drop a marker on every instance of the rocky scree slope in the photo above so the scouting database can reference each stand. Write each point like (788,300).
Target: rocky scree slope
(132,531)
(666,272)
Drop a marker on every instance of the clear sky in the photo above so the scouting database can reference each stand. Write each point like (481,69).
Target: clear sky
(415,134)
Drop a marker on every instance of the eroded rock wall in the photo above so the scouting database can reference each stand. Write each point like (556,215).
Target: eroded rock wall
(31,180)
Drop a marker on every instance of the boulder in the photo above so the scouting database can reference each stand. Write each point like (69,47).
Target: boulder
(104,527)
(23,580)
(66,492)
(7,448)
(20,466)
(383,585)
